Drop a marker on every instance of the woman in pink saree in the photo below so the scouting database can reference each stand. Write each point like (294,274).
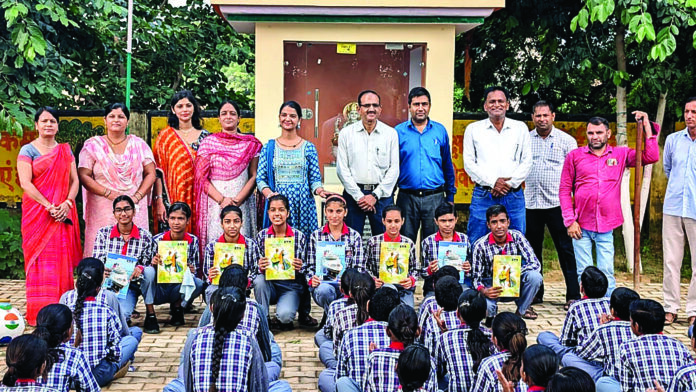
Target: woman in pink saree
(50,229)
(112,165)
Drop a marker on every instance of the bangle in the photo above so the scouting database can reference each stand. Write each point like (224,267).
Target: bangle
(221,200)
(105,190)
(138,195)
(69,202)
(155,197)
(107,193)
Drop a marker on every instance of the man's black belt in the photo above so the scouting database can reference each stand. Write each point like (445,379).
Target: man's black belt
(489,189)
(422,192)
(368,187)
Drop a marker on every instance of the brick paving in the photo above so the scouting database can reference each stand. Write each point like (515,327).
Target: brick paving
(157,357)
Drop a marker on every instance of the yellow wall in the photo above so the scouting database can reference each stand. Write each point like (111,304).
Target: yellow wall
(439,78)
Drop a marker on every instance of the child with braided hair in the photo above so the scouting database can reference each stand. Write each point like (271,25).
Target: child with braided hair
(26,360)
(66,365)
(362,289)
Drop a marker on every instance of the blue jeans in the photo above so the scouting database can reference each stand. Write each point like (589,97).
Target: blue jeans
(326,380)
(531,282)
(104,372)
(326,355)
(356,216)
(129,345)
(347,384)
(604,242)
(177,385)
(550,340)
(482,199)
(167,293)
(608,384)
(320,338)
(285,294)
(135,290)
(326,293)
(593,368)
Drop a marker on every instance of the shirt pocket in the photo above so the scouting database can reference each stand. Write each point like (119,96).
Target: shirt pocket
(433,153)
(611,171)
(382,158)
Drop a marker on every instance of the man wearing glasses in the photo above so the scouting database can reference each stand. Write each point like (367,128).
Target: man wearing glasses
(368,165)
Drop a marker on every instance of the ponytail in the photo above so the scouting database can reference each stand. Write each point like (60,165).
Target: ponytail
(472,310)
(228,305)
(53,325)
(510,330)
(403,324)
(361,291)
(25,356)
(90,273)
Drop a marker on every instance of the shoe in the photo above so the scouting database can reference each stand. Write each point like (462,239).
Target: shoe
(670,318)
(122,371)
(151,325)
(537,300)
(177,318)
(308,321)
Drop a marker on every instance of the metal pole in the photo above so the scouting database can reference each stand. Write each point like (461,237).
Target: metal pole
(129,50)
(636,203)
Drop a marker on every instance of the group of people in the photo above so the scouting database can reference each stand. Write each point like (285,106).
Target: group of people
(201,187)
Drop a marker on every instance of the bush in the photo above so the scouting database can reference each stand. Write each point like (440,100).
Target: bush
(11,255)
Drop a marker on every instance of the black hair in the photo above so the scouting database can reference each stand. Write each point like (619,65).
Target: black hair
(125,198)
(418,92)
(279,197)
(447,292)
(173,120)
(392,207)
(383,302)
(53,326)
(115,106)
(540,364)
(234,276)
(594,282)
(90,274)
(509,330)
(447,270)
(228,305)
(599,121)
(347,279)
(293,105)
(53,112)
(472,309)
(621,300)
(365,92)
(335,199)
(234,104)
(571,379)
(403,324)
(649,315)
(24,357)
(362,288)
(231,208)
(180,206)
(690,99)
(543,104)
(444,209)
(495,210)
(489,90)
(413,367)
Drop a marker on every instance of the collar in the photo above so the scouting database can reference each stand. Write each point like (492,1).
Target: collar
(551,133)
(506,124)
(240,240)
(455,237)
(362,127)
(397,346)
(288,231)
(167,236)
(491,239)
(389,239)
(535,388)
(90,299)
(428,125)
(326,229)
(368,320)
(135,232)
(26,381)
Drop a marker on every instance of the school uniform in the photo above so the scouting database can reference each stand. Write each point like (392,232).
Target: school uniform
(107,298)
(26,385)
(326,333)
(425,310)
(650,357)
(374,245)
(71,369)
(381,373)
(487,379)
(453,358)
(432,331)
(582,318)
(344,321)
(684,380)
(599,354)
(430,247)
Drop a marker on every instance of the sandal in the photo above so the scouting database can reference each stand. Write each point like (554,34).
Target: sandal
(670,318)
(530,314)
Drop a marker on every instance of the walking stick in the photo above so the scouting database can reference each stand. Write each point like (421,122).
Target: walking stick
(636,203)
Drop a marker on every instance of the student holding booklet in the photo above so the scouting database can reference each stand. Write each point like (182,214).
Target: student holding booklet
(331,250)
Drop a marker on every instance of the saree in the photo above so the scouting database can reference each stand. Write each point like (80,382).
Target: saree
(223,160)
(122,173)
(51,249)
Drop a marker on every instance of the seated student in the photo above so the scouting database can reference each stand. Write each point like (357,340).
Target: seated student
(446,220)
(231,220)
(26,360)
(284,293)
(460,350)
(685,378)
(104,297)
(539,364)
(501,241)
(414,369)
(393,220)
(125,238)
(447,292)
(230,348)
(67,367)
(97,329)
(509,332)
(599,354)
(381,373)
(570,379)
(355,346)
(325,334)
(325,289)
(649,357)
(429,304)
(583,316)
(178,218)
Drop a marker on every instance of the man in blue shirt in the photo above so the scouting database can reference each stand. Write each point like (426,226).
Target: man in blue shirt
(426,174)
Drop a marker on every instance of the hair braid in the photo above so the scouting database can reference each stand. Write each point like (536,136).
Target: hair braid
(218,347)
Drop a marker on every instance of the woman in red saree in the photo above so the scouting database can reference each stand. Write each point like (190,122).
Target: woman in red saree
(50,229)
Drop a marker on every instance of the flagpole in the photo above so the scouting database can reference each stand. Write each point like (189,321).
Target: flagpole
(129,50)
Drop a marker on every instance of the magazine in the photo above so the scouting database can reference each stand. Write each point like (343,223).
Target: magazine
(121,267)
(393,261)
(280,253)
(225,255)
(454,254)
(173,261)
(507,272)
(331,259)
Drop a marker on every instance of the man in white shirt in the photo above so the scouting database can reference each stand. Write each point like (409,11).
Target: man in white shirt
(550,146)
(368,165)
(497,157)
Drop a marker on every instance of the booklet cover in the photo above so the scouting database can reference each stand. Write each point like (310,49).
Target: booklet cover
(331,259)
(454,254)
(121,267)
(173,261)
(393,261)
(280,253)
(507,272)
(226,255)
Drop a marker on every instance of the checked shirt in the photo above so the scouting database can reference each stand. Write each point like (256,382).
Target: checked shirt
(583,318)
(344,320)
(650,357)
(374,244)
(101,333)
(381,372)
(237,357)
(354,248)
(71,368)
(139,246)
(684,380)
(355,349)
(485,248)
(604,343)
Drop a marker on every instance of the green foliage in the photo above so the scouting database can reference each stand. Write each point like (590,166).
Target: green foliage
(75,132)
(11,255)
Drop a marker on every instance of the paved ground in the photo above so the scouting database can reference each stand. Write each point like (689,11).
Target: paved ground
(157,358)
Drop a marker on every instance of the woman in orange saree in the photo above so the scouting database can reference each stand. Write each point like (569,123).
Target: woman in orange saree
(50,229)
(175,151)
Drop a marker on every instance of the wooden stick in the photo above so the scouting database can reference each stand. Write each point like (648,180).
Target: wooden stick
(636,204)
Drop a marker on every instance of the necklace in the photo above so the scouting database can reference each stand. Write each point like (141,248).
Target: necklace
(112,142)
(289,146)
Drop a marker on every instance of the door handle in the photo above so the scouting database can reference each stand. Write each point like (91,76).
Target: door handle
(316,113)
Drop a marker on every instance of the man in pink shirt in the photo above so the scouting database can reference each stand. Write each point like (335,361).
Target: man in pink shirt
(590,192)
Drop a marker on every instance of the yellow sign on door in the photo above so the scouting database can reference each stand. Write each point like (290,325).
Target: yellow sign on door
(345,48)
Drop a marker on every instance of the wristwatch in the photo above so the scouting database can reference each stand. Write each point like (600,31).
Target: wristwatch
(374,195)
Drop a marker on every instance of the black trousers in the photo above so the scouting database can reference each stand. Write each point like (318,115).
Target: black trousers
(537,220)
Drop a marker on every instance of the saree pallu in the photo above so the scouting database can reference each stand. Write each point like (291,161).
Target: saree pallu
(51,249)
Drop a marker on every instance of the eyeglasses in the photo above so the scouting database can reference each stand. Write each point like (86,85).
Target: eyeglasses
(369,105)
(122,210)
